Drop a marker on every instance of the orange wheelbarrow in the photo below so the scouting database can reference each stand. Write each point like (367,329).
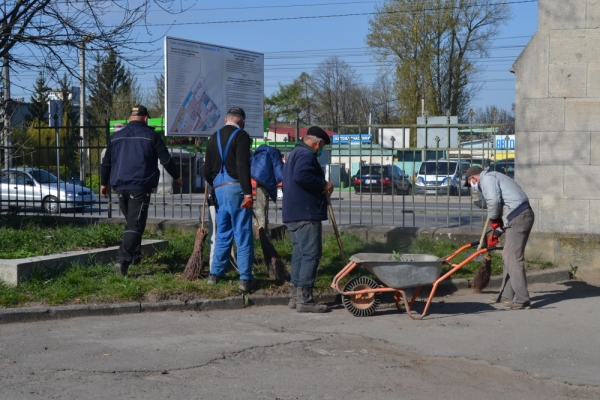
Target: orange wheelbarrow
(361,296)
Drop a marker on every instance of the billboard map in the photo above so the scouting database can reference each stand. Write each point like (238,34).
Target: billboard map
(203,81)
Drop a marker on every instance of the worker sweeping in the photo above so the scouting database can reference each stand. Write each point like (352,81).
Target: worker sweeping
(509,210)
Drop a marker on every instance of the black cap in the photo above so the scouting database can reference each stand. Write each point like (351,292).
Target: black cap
(470,172)
(139,111)
(320,133)
(237,111)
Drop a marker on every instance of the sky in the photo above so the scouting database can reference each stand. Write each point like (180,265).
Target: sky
(296,35)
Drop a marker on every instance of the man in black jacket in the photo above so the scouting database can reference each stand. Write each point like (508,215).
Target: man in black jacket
(130,167)
(227,170)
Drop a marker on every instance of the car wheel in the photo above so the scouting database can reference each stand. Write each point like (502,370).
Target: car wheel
(408,190)
(51,205)
(357,191)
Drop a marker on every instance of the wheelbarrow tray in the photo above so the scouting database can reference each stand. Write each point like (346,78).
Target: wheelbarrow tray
(401,271)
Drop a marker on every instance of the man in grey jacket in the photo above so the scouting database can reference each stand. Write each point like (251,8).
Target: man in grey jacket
(508,208)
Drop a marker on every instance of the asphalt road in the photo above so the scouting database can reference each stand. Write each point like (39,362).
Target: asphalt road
(465,349)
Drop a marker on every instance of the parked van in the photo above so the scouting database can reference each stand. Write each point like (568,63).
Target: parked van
(442,177)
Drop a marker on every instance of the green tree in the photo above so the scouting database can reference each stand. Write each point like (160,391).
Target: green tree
(111,86)
(38,103)
(156,101)
(291,102)
(434,45)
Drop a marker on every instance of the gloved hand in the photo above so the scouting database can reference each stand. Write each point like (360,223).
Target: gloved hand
(497,224)
(248,202)
(492,240)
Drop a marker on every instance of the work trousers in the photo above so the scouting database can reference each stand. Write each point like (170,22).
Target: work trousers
(261,208)
(233,221)
(134,206)
(307,246)
(514,283)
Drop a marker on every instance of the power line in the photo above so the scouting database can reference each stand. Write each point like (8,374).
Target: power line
(328,16)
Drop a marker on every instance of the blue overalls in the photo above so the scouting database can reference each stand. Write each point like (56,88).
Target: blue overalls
(233,221)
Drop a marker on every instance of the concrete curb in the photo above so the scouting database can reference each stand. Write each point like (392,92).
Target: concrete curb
(35,314)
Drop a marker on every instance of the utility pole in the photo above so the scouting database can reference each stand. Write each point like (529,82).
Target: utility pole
(83,149)
(6,109)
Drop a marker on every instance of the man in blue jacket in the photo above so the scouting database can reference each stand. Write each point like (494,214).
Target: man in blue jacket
(130,166)
(266,168)
(304,208)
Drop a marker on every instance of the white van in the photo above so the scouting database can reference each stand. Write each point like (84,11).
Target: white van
(442,177)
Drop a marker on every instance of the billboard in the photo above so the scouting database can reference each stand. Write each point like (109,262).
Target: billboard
(447,137)
(401,138)
(203,81)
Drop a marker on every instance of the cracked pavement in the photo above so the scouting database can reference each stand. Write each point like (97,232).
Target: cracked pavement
(464,348)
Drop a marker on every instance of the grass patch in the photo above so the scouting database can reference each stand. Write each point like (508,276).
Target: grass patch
(159,277)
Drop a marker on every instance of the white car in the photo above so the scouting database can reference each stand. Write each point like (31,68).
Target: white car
(442,177)
(38,188)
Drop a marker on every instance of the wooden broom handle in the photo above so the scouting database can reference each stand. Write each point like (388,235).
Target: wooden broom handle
(487,222)
(335,229)
(204,204)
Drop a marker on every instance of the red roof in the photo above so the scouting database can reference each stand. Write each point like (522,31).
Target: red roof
(290,130)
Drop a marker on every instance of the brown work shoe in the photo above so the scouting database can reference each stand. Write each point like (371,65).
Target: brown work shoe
(516,306)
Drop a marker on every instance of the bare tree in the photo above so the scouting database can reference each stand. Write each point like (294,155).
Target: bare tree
(49,34)
(501,118)
(339,98)
(385,108)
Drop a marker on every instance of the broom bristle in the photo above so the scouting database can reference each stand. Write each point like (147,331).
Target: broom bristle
(483,274)
(275,266)
(194,265)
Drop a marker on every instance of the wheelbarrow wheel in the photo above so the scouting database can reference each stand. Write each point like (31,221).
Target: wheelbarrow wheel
(361,305)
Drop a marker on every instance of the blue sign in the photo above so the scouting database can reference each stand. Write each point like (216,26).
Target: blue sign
(360,138)
(504,142)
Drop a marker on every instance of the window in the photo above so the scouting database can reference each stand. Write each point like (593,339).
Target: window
(43,176)
(438,168)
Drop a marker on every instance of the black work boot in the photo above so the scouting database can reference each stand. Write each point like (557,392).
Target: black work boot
(293,294)
(306,303)
(121,268)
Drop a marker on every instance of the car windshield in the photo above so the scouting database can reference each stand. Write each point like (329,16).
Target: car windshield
(371,170)
(43,176)
(439,168)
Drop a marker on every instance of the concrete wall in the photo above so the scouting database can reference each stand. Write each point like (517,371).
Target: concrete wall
(558,127)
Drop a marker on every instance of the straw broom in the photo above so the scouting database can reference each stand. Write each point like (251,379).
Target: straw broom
(274,263)
(194,265)
(483,274)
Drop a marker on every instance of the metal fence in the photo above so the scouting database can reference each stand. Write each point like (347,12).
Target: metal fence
(420,200)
